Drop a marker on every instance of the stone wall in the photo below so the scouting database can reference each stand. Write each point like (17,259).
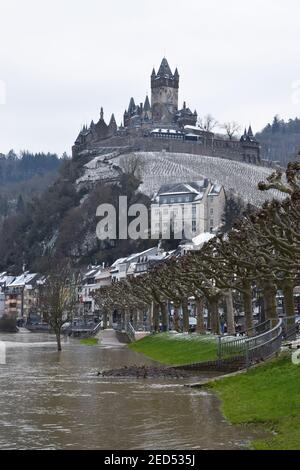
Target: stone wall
(219,148)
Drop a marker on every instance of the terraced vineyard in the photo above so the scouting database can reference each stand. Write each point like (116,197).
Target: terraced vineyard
(243,178)
(163,167)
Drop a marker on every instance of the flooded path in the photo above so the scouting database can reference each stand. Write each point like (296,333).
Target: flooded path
(56,401)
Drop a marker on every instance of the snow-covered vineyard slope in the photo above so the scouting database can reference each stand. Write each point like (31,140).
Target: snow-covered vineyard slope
(163,167)
(160,168)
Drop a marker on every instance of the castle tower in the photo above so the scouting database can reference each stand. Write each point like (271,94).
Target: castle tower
(164,93)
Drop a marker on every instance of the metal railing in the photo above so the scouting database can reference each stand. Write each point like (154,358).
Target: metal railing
(290,328)
(130,331)
(95,330)
(259,328)
(252,349)
(126,327)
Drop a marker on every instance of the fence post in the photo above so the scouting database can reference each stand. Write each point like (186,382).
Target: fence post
(219,347)
(247,356)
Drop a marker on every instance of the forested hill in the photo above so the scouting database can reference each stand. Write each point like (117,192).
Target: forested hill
(23,177)
(280,140)
(15,168)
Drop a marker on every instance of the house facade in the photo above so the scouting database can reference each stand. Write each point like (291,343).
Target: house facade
(185,210)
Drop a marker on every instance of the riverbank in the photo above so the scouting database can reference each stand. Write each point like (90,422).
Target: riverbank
(176,349)
(269,396)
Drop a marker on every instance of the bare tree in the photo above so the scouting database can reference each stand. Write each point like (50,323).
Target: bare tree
(207,123)
(232,128)
(132,164)
(58,299)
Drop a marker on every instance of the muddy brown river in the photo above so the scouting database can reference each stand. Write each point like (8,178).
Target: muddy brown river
(51,400)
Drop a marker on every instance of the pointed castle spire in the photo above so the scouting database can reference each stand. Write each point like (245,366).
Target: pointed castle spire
(147,106)
(131,107)
(164,70)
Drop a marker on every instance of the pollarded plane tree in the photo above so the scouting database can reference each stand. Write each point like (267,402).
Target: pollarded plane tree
(201,282)
(217,267)
(120,296)
(155,288)
(278,224)
(233,263)
(174,290)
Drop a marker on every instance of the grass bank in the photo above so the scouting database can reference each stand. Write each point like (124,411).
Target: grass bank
(268,395)
(177,349)
(89,341)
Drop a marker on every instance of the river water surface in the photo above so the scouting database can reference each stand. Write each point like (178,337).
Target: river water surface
(51,400)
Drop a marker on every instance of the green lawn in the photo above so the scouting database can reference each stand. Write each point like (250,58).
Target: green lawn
(89,341)
(177,349)
(269,395)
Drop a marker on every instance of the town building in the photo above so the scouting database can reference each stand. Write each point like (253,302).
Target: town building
(5,280)
(185,210)
(22,296)
(95,278)
(136,264)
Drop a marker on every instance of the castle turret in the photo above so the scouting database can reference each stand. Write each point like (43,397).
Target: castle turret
(131,107)
(112,125)
(250,132)
(164,93)
(250,147)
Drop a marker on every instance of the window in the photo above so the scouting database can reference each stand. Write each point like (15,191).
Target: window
(194,210)
(172,200)
(194,225)
(211,211)
(211,222)
(187,198)
(165,201)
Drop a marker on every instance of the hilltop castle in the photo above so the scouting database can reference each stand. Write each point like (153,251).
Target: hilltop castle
(161,125)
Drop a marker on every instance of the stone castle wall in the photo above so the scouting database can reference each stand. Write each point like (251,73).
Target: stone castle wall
(232,150)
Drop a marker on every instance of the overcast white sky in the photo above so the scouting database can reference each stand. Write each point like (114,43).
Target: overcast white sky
(60,60)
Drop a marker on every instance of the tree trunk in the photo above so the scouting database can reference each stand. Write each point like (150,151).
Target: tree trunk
(164,316)
(269,291)
(230,313)
(58,338)
(289,305)
(104,320)
(247,300)
(186,316)
(140,318)
(155,316)
(200,316)
(135,319)
(214,314)
(288,293)
(176,318)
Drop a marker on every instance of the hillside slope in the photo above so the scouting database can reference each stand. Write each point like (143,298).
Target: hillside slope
(158,168)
